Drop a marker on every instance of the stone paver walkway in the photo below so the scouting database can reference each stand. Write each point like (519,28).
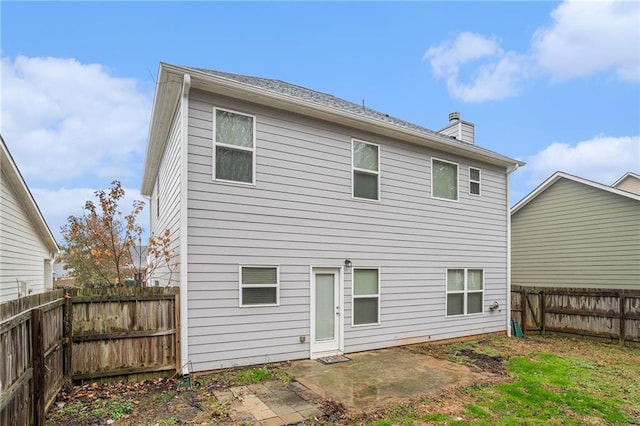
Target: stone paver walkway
(271,403)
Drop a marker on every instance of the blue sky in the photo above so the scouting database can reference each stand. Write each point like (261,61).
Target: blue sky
(556,84)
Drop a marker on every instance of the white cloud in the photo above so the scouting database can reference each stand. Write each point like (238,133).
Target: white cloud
(498,72)
(63,119)
(602,159)
(583,38)
(58,204)
(587,37)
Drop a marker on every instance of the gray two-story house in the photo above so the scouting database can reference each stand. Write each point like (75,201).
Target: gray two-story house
(306,226)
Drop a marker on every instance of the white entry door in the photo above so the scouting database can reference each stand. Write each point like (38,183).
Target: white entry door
(326,311)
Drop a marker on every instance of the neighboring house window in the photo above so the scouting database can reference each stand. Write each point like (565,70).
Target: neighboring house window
(258,285)
(234,146)
(444,179)
(366,170)
(464,291)
(366,296)
(474,181)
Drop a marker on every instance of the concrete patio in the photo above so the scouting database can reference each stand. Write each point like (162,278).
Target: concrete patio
(369,380)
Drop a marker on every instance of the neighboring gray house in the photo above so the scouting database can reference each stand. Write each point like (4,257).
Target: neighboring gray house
(572,232)
(27,247)
(308,226)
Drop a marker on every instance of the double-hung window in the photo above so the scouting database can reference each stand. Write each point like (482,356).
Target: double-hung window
(366,296)
(234,146)
(465,289)
(474,181)
(444,179)
(366,170)
(259,285)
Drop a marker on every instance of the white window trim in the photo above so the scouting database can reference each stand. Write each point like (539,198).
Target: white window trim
(241,286)
(464,292)
(367,296)
(457,180)
(236,147)
(354,169)
(475,181)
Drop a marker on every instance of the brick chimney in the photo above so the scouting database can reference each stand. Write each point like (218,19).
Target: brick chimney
(459,129)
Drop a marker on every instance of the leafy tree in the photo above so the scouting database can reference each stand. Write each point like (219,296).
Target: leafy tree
(102,246)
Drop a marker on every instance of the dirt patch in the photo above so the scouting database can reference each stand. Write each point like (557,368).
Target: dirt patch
(486,363)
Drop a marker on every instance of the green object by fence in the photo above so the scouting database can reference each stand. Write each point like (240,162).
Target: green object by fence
(515,329)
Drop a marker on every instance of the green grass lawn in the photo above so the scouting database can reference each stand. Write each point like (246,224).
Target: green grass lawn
(551,380)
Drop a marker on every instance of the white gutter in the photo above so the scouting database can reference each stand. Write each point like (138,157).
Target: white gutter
(184,246)
(509,171)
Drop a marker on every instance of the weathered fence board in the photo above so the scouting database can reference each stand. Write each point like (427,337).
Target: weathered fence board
(120,331)
(588,312)
(48,338)
(31,366)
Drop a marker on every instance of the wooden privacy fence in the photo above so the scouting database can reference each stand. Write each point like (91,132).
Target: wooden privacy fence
(34,355)
(612,314)
(49,338)
(122,331)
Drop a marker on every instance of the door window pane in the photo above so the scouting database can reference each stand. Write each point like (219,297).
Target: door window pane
(325,309)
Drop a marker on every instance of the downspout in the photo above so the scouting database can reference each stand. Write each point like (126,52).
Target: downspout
(184,174)
(509,171)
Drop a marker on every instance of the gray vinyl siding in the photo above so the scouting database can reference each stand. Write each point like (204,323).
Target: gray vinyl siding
(169,217)
(23,253)
(301,213)
(575,235)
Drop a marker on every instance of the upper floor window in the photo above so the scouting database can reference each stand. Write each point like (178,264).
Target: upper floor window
(474,181)
(234,146)
(366,170)
(465,288)
(444,179)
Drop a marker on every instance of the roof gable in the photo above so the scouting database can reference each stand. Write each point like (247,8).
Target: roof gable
(9,168)
(296,99)
(561,175)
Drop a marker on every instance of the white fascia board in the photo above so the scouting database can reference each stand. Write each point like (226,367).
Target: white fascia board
(562,175)
(10,169)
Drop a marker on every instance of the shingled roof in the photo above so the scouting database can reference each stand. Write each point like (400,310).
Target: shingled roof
(299,92)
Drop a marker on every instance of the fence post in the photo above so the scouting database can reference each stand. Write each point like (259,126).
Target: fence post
(523,306)
(622,302)
(37,359)
(542,309)
(67,348)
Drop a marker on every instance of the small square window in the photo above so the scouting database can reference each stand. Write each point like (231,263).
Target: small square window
(259,285)
(444,180)
(474,181)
